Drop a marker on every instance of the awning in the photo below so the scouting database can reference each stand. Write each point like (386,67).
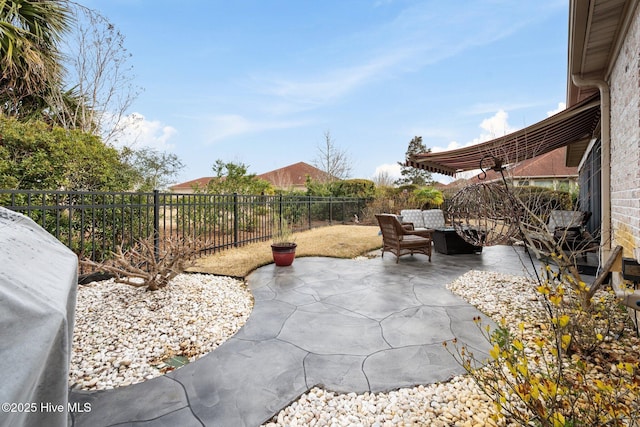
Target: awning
(572,125)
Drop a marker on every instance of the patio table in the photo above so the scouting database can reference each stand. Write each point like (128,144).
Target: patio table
(447,241)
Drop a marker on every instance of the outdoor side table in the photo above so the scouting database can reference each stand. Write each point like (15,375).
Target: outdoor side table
(447,241)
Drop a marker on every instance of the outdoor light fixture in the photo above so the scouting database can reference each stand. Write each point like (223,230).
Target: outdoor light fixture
(631,270)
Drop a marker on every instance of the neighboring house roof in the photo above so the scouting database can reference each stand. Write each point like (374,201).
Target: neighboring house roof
(190,185)
(458,183)
(551,164)
(548,165)
(294,175)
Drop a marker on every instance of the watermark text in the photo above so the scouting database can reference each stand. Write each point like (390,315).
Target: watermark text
(45,407)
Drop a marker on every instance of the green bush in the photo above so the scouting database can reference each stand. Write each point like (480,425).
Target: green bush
(541,201)
(395,199)
(35,156)
(428,198)
(362,188)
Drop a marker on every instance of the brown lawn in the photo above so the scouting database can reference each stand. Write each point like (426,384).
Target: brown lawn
(339,241)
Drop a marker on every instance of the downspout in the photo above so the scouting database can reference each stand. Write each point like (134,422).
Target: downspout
(605,180)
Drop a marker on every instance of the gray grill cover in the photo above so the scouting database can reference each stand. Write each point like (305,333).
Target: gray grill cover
(38,282)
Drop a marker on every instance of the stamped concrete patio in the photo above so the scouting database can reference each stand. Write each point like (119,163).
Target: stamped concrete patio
(346,325)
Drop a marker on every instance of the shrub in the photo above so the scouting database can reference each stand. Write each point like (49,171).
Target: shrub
(141,266)
(362,188)
(395,199)
(541,201)
(556,371)
(428,197)
(35,155)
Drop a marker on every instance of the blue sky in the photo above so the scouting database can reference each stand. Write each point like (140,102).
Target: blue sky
(261,81)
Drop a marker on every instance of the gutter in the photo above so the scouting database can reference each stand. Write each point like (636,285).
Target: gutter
(605,176)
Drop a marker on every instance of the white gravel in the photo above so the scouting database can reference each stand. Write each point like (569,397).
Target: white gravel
(135,330)
(123,334)
(457,402)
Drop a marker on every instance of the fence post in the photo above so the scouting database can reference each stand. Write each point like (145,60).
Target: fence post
(235,219)
(309,210)
(330,210)
(156,224)
(106,209)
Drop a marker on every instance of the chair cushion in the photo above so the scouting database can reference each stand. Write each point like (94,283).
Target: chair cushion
(411,241)
(414,216)
(433,218)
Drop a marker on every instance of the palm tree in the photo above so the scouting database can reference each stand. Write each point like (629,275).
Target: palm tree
(30,63)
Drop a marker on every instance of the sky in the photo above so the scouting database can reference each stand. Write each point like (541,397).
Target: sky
(261,82)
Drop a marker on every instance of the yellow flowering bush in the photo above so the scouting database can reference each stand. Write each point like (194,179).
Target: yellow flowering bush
(565,369)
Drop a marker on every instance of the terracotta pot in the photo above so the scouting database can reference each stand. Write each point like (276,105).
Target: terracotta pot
(283,253)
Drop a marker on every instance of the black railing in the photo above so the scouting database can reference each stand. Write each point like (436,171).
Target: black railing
(93,224)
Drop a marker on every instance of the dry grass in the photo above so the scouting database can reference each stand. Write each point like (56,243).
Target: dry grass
(339,241)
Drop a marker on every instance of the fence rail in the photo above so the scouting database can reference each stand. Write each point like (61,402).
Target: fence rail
(93,224)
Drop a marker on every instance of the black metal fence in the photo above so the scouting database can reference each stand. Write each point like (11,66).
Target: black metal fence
(93,224)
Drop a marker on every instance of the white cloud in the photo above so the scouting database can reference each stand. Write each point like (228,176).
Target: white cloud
(561,107)
(444,179)
(452,146)
(495,126)
(391,169)
(492,127)
(487,108)
(229,125)
(409,41)
(138,132)
(308,93)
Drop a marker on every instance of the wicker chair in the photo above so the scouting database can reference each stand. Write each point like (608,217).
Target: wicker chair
(399,240)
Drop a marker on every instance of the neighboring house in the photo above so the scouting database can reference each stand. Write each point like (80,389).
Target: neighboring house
(600,126)
(548,170)
(190,187)
(292,177)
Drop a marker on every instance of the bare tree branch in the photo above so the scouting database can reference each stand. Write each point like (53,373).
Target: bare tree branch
(138,266)
(99,80)
(332,160)
(383,179)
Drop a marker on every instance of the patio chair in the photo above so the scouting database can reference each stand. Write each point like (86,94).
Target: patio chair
(566,229)
(569,231)
(399,240)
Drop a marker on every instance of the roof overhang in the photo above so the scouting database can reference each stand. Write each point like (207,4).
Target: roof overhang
(573,125)
(597,29)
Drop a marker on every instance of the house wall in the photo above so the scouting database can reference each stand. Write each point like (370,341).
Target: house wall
(625,143)
(189,190)
(559,184)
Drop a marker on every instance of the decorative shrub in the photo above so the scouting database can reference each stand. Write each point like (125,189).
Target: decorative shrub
(142,266)
(557,371)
